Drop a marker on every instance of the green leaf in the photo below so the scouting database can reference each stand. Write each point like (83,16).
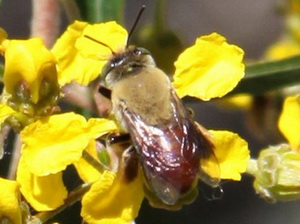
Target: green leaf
(101,10)
(263,77)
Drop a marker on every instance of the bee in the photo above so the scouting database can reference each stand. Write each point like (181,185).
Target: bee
(168,143)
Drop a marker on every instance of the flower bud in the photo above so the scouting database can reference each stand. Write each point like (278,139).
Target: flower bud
(30,76)
(277,174)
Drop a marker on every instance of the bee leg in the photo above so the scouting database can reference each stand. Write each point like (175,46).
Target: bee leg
(211,194)
(122,146)
(130,163)
(102,98)
(116,145)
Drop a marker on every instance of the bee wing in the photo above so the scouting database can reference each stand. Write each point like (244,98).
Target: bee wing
(209,169)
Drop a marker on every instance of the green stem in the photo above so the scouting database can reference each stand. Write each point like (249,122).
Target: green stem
(92,161)
(101,10)
(41,25)
(263,77)
(71,9)
(159,18)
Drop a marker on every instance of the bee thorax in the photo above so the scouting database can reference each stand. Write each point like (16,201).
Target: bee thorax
(146,93)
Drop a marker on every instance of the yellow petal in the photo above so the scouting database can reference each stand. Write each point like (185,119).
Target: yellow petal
(9,201)
(100,126)
(110,34)
(232,154)
(28,62)
(86,171)
(5,112)
(72,66)
(112,201)
(81,59)
(211,68)
(50,144)
(289,121)
(43,193)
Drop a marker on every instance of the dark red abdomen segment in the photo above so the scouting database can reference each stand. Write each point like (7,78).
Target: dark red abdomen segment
(172,159)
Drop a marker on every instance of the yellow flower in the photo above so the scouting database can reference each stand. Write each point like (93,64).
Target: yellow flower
(81,59)
(30,82)
(10,202)
(211,68)
(49,146)
(289,121)
(28,63)
(99,204)
(112,199)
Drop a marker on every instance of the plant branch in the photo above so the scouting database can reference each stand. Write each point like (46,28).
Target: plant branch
(79,95)
(45,20)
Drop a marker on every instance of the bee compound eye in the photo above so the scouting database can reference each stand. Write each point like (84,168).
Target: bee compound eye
(117,61)
(137,51)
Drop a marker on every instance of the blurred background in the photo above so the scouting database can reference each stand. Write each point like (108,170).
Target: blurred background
(252,25)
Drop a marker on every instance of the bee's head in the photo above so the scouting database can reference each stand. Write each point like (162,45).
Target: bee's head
(121,65)
(124,63)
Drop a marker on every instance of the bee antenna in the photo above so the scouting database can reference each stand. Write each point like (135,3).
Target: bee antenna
(136,21)
(99,42)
